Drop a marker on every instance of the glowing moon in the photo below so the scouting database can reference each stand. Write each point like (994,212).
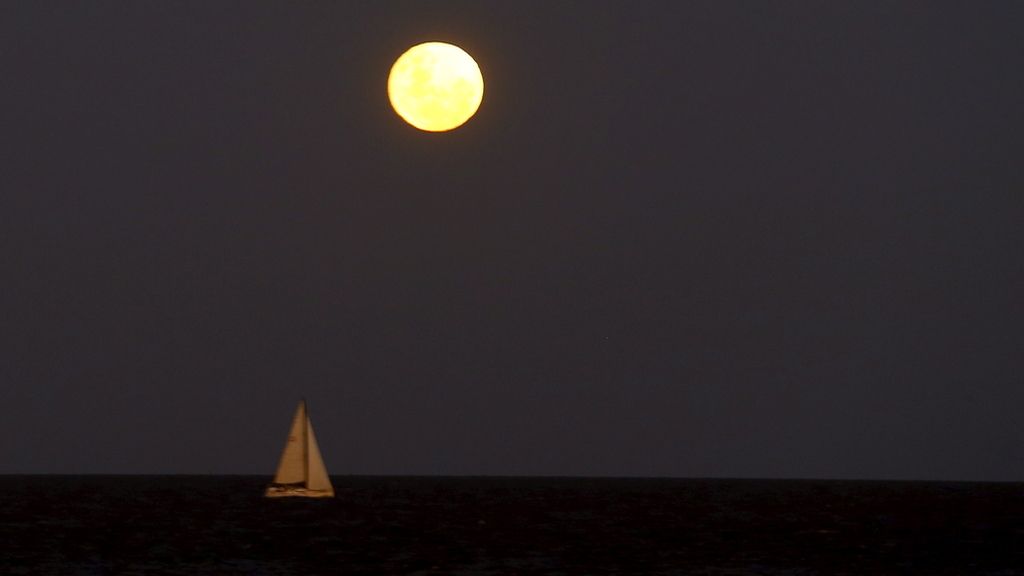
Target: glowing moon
(435,86)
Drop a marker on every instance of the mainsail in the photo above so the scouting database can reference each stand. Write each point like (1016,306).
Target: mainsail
(301,470)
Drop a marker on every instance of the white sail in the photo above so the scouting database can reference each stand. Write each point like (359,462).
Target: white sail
(292,467)
(301,471)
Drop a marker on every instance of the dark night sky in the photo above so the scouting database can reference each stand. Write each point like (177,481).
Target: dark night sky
(769,239)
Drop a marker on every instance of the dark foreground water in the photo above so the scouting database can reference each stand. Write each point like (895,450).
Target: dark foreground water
(220,525)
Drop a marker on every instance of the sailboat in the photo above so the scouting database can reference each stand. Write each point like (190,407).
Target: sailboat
(301,471)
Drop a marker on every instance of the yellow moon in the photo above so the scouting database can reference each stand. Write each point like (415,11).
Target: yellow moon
(435,86)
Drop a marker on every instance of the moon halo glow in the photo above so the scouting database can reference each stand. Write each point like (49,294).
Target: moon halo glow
(435,86)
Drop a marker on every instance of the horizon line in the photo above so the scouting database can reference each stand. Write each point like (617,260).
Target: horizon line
(527,477)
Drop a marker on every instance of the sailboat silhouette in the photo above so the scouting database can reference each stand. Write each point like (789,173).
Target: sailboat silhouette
(301,471)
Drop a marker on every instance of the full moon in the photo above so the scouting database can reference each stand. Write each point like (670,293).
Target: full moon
(435,86)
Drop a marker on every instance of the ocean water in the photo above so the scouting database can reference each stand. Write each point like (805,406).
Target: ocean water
(70,525)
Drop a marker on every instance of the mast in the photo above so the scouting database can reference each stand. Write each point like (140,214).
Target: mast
(305,443)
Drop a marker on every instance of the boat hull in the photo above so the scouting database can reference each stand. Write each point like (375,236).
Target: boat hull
(296,492)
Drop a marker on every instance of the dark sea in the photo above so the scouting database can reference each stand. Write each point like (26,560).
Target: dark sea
(70,525)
